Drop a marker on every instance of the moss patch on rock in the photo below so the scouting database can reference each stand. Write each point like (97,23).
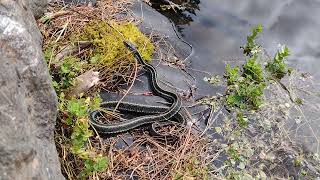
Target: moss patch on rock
(108,41)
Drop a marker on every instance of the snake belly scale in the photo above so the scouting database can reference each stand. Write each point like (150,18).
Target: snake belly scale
(157,114)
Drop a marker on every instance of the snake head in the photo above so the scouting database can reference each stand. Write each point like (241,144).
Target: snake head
(130,46)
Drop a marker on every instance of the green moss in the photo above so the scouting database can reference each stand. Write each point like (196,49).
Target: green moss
(108,41)
(133,34)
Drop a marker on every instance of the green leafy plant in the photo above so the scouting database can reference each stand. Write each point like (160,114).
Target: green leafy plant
(245,85)
(97,164)
(65,72)
(244,91)
(75,113)
(277,66)
(79,138)
(242,120)
(78,109)
(251,47)
(232,75)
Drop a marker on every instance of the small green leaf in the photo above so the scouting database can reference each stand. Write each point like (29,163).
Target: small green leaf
(218,130)
(69,121)
(95,59)
(298,101)
(65,68)
(95,103)
(232,74)
(77,107)
(101,163)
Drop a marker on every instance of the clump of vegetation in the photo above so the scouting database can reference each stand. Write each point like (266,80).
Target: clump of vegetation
(277,66)
(108,37)
(246,85)
(77,110)
(80,137)
(251,47)
(74,114)
(65,72)
(245,93)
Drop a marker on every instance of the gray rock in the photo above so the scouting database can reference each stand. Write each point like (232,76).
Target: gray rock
(38,7)
(28,103)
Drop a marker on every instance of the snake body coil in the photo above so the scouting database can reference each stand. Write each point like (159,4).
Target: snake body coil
(162,113)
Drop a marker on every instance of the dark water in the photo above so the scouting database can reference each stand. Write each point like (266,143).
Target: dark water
(217,29)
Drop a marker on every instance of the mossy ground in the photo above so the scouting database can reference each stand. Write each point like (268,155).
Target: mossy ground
(107,39)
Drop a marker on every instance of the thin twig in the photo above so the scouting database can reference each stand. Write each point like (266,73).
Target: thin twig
(134,79)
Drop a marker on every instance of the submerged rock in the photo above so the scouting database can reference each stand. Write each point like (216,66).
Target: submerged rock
(28,103)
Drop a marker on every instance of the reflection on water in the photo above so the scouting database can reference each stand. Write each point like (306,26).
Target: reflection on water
(178,16)
(217,28)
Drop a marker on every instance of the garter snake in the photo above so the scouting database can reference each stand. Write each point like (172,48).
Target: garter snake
(155,113)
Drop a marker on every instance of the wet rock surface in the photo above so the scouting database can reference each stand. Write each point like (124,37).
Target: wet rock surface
(28,103)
